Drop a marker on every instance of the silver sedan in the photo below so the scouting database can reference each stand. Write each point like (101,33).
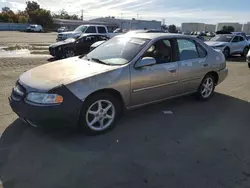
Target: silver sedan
(128,71)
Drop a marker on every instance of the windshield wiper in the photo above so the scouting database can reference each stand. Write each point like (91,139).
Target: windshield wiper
(99,61)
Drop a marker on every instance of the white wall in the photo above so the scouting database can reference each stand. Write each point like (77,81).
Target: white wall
(210,27)
(131,24)
(188,27)
(237,27)
(246,28)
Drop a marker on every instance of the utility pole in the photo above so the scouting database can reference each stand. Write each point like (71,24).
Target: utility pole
(121,15)
(137,17)
(82,15)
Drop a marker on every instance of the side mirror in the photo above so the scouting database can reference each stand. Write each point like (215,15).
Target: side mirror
(146,61)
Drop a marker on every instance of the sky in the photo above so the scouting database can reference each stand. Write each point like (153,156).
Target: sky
(173,11)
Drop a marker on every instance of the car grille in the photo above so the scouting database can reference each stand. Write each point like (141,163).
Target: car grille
(18,92)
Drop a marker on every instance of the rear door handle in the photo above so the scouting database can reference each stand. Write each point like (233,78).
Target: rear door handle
(172,70)
(205,64)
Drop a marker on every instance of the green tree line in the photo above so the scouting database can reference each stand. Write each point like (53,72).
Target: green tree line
(33,14)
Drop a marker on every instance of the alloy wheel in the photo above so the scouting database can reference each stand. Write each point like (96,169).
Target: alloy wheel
(207,87)
(100,115)
(69,53)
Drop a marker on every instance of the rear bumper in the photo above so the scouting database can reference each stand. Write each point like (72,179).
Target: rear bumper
(222,75)
(65,114)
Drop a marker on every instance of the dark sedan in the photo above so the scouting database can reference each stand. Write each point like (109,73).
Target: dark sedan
(72,47)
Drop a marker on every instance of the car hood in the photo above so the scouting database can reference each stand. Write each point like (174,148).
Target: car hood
(98,43)
(215,43)
(62,72)
(61,43)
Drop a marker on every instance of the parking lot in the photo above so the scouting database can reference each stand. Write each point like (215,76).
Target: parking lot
(199,144)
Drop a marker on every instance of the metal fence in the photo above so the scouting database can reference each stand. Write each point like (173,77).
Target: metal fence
(13,26)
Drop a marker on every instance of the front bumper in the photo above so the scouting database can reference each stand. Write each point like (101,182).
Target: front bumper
(222,75)
(67,113)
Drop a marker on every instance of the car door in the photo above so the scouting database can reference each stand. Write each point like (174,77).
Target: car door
(192,63)
(235,45)
(83,44)
(159,81)
(242,44)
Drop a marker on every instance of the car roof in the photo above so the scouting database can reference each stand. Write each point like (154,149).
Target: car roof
(155,35)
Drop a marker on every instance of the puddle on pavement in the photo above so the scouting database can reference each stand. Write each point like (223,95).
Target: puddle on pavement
(24,50)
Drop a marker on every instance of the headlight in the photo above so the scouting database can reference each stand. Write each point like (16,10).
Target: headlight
(44,98)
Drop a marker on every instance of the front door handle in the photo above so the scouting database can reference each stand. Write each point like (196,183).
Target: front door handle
(172,70)
(205,64)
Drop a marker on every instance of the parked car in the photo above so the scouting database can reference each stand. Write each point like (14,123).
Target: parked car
(62,29)
(240,33)
(72,47)
(200,37)
(210,34)
(96,44)
(34,28)
(248,37)
(126,72)
(94,29)
(230,44)
(248,58)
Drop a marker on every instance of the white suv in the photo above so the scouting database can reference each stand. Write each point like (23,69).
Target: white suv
(34,28)
(230,44)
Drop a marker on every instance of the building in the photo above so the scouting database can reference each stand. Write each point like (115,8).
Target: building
(189,27)
(72,24)
(210,27)
(246,28)
(130,24)
(237,26)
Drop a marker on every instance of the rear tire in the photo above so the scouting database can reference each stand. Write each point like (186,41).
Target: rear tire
(206,88)
(99,114)
(249,65)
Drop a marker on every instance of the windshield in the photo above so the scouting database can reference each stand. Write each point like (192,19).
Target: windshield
(118,50)
(81,28)
(222,38)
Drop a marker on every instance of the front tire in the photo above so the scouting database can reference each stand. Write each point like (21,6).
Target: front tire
(226,52)
(69,53)
(245,52)
(249,65)
(206,88)
(99,114)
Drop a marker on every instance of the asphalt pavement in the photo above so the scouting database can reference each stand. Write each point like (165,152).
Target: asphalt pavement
(198,145)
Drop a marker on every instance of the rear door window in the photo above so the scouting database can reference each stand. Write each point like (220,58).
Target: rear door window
(101,29)
(187,49)
(91,29)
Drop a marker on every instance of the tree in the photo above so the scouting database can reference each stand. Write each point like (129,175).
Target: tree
(63,14)
(172,29)
(228,28)
(5,9)
(31,6)
(41,17)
